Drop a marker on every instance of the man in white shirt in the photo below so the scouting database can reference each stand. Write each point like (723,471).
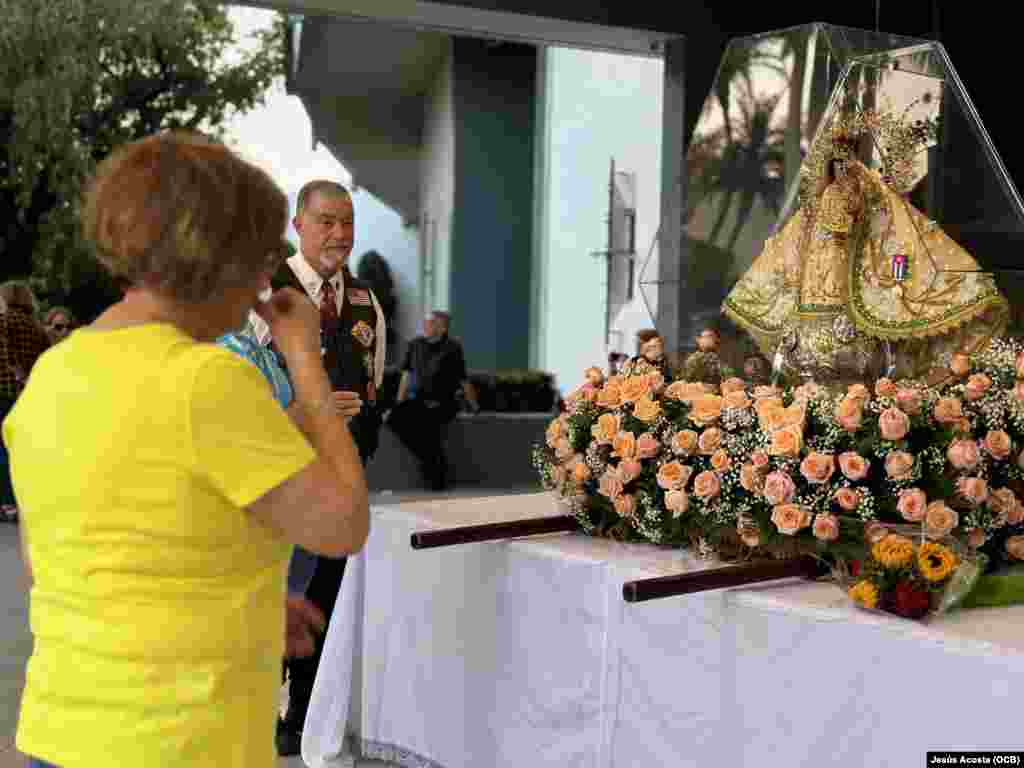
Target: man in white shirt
(353,345)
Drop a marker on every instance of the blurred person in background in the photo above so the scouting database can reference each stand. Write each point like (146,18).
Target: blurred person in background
(158,562)
(433,374)
(22,341)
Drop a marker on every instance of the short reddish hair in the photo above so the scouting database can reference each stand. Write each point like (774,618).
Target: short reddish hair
(182,215)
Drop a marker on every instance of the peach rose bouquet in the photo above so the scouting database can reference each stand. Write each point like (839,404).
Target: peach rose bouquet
(738,467)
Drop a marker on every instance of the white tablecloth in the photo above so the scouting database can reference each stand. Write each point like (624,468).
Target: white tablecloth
(523,653)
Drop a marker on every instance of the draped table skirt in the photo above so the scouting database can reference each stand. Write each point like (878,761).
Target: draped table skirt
(523,654)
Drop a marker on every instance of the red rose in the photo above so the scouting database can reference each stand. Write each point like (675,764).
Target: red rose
(855,568)
(911,601)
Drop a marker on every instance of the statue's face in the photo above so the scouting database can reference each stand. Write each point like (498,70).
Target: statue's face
(594,377)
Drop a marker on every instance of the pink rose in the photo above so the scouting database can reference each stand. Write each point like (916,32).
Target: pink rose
(655,381)
(733,385)
(973,489)
(826,527)
(672,476)
(737,400)
(720,461)
(998,444)
(790,518)
(858,392)
(750,479)
(909,401)
(850,413)
(847,498)
(806,392)
(677,502)
(948,410)
(706,410)
(684,443)
(1003,502)
(1015,547)
(940,520)
(629,470)
(610,486)
(964,454)
(854,466)
(899,465)
(710,440)
(960,365)
(817,468)
(885,388)
(647,446)
(894,424)
(625,505)
(759,459)
(606,428)
(977,386)
(706,485)
(912,504)
(1018,391)
(779,488)
(624,445)
(685,391)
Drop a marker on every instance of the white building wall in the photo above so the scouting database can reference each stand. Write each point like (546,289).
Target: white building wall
(597,106)
(437,191)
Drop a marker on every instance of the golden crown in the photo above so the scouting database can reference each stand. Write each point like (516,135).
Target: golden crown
(896,140)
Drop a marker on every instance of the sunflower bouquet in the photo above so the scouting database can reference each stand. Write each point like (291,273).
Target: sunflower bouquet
(910,574)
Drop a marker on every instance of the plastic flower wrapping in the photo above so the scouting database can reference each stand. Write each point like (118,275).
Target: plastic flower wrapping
(911,574)
(746,471)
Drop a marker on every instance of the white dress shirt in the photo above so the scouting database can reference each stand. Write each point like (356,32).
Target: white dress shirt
(313,283)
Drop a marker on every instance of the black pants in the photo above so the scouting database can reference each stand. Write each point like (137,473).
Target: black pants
(322,592)
(324,587)
(420,426)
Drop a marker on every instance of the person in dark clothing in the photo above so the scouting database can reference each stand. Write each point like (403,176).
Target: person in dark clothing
(22,341)
(352,339)
(433,372)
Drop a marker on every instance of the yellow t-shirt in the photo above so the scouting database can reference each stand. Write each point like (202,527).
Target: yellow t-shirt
(158,603)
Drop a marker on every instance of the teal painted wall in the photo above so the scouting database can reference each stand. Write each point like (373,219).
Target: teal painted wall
(492,227)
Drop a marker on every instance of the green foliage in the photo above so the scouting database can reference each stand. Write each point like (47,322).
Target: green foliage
(81,77)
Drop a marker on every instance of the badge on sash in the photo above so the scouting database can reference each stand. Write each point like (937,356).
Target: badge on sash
(357,297)
(363,333)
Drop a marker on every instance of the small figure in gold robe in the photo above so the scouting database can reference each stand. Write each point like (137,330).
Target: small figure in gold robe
(859,283)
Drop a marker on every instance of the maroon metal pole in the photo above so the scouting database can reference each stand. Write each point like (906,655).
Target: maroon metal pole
(471,534)
(719,578)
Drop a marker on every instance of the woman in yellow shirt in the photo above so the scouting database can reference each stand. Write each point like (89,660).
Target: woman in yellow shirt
(161,486)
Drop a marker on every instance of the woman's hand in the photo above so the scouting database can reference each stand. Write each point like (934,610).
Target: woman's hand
(302,620)
(347,404)
(294,323)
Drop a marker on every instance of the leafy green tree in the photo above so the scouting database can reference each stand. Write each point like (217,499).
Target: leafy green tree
(81,77)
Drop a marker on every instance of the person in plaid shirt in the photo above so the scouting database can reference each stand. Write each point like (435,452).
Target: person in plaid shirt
(22,341)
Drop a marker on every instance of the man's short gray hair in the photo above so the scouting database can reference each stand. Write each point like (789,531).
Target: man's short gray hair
(319,186)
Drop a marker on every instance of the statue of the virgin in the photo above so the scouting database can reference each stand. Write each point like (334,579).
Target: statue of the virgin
(860,284)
